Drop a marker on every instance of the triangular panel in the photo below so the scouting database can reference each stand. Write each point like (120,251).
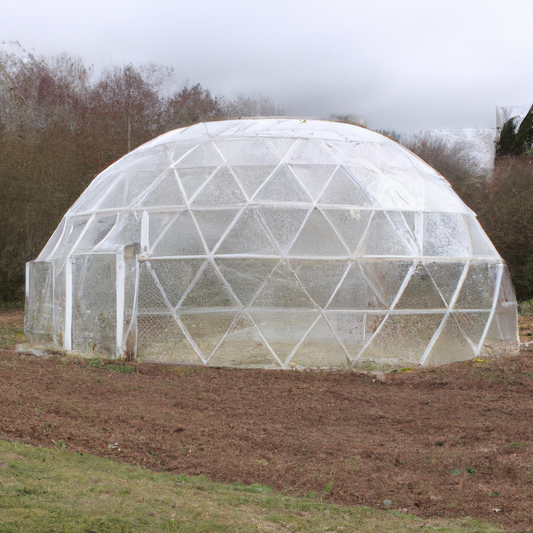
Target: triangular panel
(382,238)
(446,235)
(157,224)
(283,223)
(207,329)
(283,330)
(386,277)
(281,186)
(369,179)
(150,297)
(478,287)
(472,324)
(313,177)
(283,146)
(154,158)
(192,179)
(180,238)
(319,278)
(446,277)
(451,346)
(350,224)
(399,220)
(506,310)
(420,292)
(356,293)
(248,151)
(115,196)
(342,190)
(318,239)
(243,346)
(410,218)
(321,348)
(160,339)
(175,276)
(128,187)
(283,290)
(166,192)
(204,155)
(396,197)
(403,339)
(247,236)
(177,152)
(98,230)
(138,182)
(480,243)
(495,332)
(251,177)
(126,229)
(213,223)
(220,190)
(246,275)
(209,291)
(350,329)
(311,151)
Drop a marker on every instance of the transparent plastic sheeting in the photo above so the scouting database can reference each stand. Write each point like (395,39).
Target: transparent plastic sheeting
(272,243)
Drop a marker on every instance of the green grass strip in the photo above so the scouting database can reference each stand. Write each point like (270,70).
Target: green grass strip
(45,491)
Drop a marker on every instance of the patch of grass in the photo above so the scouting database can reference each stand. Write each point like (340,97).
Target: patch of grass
(255,488)
(186,369)
(116,366)
(53,490)
(124,369)
(11,320)
(526,308)
(10,335)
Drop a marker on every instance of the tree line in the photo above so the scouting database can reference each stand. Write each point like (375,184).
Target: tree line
(61,124)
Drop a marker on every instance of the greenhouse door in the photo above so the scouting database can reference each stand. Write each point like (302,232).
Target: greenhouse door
(99,302)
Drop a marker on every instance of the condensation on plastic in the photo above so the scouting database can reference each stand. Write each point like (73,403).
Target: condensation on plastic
(273,243)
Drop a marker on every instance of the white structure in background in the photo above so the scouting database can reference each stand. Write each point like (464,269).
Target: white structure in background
(477,144)
(269,243)
(503,114)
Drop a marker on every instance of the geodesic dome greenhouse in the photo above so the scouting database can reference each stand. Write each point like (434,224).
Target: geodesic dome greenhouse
(272,243)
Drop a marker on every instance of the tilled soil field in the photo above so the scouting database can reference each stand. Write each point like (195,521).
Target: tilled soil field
(452,441)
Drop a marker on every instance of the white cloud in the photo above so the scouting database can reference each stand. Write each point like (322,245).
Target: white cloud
(417,64)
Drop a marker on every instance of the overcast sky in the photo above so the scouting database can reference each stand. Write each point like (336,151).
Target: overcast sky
(407,65)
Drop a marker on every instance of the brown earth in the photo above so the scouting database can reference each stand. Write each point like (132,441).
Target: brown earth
(452,441)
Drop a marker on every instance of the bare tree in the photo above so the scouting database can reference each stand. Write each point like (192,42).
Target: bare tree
(191,105)
(247,106)
(60,125)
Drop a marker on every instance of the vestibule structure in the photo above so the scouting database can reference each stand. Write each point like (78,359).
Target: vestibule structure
(272,243)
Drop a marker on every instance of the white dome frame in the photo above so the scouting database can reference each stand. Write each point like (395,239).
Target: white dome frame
(272,243)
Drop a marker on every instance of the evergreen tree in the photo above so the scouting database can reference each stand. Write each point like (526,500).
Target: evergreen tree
(524,136)
(506,142)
